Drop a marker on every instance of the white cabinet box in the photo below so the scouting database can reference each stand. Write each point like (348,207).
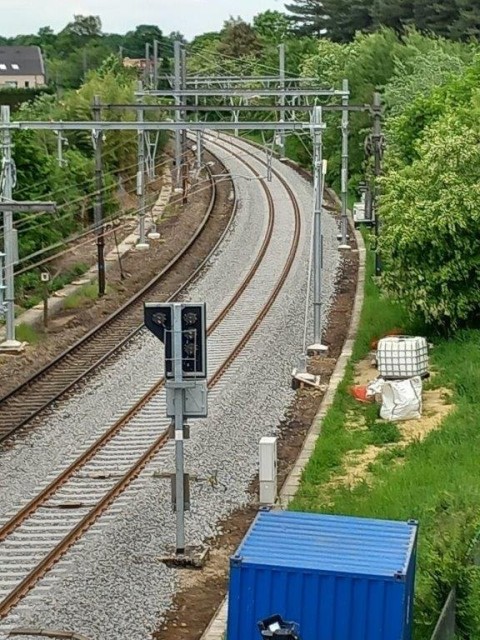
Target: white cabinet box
(402,357)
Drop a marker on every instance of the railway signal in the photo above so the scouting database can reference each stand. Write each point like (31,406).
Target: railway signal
(159,319)
(182,328)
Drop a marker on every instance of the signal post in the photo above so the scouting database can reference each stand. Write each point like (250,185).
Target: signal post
(182,330)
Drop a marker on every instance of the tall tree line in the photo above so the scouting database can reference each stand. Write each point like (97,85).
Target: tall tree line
(341,19)
(82,45)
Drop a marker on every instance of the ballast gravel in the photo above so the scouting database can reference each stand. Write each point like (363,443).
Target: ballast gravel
(61,434)
(112,584)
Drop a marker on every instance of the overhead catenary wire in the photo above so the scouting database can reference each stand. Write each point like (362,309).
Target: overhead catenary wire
(84,197)
(92,240)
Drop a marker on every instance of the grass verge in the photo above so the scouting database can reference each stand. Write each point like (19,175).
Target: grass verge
(26,333)
(84,295)
(436,481)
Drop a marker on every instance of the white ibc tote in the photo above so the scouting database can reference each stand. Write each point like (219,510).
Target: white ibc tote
(402,357)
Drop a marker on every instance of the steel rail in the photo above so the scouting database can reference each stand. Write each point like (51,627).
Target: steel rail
(22,403)
(60,549)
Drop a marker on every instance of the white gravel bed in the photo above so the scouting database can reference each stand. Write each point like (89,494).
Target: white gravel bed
(112,585)
(60,435)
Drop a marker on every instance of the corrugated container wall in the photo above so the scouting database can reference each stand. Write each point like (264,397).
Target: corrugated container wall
(338,578)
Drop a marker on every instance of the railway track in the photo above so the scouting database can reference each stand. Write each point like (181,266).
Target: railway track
(33,396)
(40,533)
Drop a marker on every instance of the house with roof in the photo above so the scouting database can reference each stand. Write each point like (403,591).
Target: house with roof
(21,67)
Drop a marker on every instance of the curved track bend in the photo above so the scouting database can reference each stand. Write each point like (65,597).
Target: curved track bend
(41,532)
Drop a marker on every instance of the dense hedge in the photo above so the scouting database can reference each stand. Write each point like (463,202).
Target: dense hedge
(14,97)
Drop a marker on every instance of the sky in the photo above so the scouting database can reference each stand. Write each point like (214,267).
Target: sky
(190,17)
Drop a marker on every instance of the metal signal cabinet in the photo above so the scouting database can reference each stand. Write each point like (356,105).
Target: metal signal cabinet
(338,578)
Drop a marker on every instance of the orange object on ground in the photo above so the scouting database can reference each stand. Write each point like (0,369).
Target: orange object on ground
(359,392)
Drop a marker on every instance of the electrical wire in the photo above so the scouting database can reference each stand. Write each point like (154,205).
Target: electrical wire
(217,55)
(105,234)
(84,197)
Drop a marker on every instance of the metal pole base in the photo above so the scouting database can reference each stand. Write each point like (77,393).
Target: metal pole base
(12,347)
(142,246)
(317,350)
(344,247)
(153,235)
(188,558)
(301,379)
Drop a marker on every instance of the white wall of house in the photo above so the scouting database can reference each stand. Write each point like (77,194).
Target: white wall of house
(22,81)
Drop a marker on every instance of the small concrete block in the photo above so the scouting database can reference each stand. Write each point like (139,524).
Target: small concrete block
(12,347)
(317,349)
(302,379)
(192,558)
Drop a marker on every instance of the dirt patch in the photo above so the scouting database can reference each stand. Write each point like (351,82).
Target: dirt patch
(436,405)
(201,593)
(137,268)
(365,370)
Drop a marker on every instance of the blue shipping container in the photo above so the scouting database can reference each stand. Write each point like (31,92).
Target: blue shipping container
(339,578)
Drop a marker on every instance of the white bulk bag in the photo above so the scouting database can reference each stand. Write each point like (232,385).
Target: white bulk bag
(402,399)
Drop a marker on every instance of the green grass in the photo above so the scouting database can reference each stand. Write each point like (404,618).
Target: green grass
(84,295)
(30,287)
(438,480)
(26,333)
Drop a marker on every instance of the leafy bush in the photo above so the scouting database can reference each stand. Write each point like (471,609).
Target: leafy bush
(430,212)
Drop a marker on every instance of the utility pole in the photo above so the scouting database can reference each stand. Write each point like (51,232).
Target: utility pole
(378,152)
(281,51)
(60,140)
(198,135)
(155,64)
(6,186)
(10,253)
(178,144)
(344,186)
(318,127)
(97,137)
(142,244)
(147,63)
(179,401)
(184,132)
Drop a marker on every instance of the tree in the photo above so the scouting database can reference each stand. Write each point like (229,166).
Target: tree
(46,37)
(175,36)
(271,26)
(204,40)
(467,25)
(436,16)
(345,17)
(134,41)
(238,39)
(84,27)
(78,33)
(430,218)
(396,14)
(422,64)
(308,17)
